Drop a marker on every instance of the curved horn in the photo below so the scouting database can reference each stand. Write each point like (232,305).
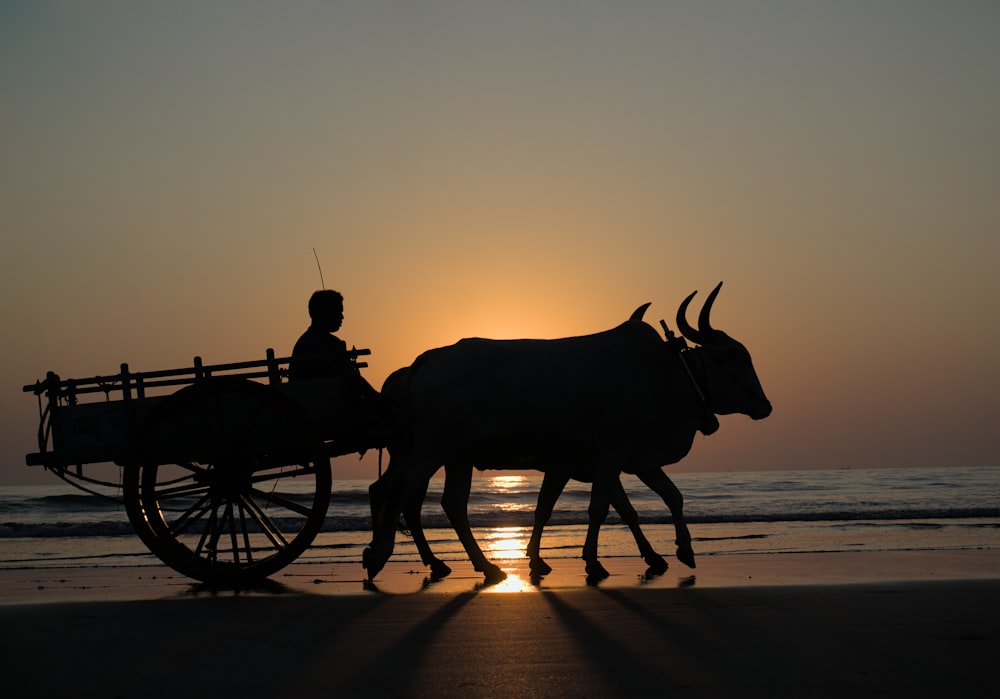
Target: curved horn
(704,326)
(638,313)
(682,324)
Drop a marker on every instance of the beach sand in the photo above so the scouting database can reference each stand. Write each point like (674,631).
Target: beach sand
(795,625)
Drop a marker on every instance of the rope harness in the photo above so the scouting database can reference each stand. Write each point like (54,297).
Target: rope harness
(679,345)
(708,423)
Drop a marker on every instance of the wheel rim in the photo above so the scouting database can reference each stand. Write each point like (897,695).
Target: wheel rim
(253,499)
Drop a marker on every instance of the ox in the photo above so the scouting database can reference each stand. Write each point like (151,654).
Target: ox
(587,408)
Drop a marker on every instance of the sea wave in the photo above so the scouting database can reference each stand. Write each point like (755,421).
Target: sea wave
(18,530)
(362,523)
(842,497)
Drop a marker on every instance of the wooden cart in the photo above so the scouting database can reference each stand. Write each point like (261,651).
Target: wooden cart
(225,469)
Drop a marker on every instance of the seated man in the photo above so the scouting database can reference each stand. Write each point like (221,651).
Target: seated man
(319,353)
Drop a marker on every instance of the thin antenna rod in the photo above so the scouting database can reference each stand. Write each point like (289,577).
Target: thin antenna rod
(321,282)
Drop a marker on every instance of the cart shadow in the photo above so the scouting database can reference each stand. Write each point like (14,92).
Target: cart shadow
(263,587)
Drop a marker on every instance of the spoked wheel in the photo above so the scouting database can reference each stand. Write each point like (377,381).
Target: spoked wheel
(227,482)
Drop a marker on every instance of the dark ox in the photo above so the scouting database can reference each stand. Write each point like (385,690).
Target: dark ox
(586,408)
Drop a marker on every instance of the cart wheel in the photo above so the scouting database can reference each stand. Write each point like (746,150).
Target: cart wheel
(227,482)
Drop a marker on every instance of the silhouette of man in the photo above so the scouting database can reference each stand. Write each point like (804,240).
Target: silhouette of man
(319,353)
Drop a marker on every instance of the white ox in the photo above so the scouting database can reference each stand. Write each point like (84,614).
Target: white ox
(587,408)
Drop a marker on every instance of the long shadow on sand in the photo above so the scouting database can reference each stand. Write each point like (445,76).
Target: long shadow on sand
(391,671)
(611,661)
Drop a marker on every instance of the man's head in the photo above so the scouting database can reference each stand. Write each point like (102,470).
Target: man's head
(326,308)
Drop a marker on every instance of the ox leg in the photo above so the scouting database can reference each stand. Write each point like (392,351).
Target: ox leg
(374,557)
(597,512)
(376,501)
(623,507)
(455,501)
(388,497)
(660,483)
(552,487)
(411,513)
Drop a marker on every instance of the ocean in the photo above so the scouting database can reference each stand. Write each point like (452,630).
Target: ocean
(728,513)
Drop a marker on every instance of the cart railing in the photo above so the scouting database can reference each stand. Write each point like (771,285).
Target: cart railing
(135,384)
(76,427)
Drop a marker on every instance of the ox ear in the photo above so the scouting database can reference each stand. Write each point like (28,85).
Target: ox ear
(638,313)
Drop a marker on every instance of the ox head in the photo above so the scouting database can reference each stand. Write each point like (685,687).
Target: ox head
(723,365)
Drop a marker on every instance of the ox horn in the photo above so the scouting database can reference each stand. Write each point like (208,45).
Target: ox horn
(704,326)
(638,313)
(682,324)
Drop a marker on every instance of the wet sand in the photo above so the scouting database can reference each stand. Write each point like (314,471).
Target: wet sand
(907,623)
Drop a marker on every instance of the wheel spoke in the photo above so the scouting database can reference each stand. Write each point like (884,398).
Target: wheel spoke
(264,522)
(246,532)
(281,500)
(210,528)
(268,473)
(230,516)
(189,517)
(218,523)
(193,488)
(178,479)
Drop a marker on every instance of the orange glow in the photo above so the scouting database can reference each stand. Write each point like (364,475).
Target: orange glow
(507,482)
(513,583)
(453,189)
(506,542)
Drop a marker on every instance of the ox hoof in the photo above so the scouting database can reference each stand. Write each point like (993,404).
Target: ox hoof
(493,574)
(596,573)
(685,554)
(652,573)
(657,565)
(372,563)
(539,568)
(439,569)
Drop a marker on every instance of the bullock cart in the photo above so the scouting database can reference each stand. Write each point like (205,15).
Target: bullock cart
(224,470)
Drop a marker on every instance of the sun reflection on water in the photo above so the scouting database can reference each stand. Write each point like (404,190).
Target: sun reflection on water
(513,583)
(506,542)
(507,483)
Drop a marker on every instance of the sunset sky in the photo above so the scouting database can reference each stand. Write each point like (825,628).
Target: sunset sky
(518,169)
